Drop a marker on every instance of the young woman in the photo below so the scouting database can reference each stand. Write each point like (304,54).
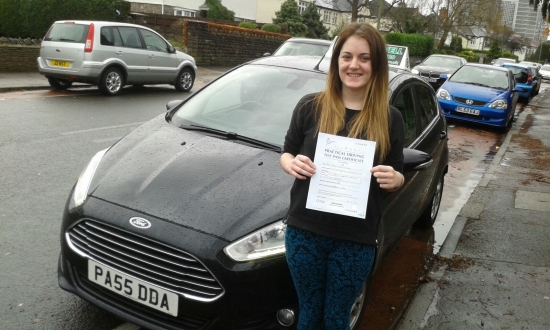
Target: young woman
(331,255)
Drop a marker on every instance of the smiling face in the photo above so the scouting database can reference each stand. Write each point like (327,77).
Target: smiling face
(354,64)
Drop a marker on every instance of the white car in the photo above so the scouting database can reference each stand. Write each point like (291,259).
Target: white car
(545,72)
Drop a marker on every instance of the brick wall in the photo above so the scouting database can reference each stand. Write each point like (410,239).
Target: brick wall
(221,45)
(18,58)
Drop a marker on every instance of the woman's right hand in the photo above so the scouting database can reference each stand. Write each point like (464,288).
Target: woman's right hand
(300,167)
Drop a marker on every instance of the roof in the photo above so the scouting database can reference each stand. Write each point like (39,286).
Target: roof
(338,5)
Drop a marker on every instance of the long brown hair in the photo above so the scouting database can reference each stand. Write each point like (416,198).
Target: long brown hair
(372,121)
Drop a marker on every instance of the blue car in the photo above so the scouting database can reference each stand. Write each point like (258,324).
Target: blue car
(525,78)
(480,93)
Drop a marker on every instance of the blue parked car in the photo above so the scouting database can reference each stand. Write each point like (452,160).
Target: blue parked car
(480,93)
(526,78)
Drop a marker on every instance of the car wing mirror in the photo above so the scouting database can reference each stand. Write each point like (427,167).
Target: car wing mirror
(444,76)
(417,62)
(172,104)
(415,160)
(171,49)
(266,54)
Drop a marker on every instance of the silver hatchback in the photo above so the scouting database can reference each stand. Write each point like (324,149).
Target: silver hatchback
(112,55)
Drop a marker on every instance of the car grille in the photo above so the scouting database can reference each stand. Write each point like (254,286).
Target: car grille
(182,322)
(145,259)
(463,101)
(430,75)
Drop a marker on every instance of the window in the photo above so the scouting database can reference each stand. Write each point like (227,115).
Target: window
(405,104)
(185,13)
(326,16)
(302,5)
(153,42)
(130,37)
(473,41)
(334,18)
(426,105)
(105,37)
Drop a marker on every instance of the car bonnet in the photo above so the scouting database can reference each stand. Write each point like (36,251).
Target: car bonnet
(473,92)
(202,182)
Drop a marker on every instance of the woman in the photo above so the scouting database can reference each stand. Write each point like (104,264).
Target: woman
(330,255)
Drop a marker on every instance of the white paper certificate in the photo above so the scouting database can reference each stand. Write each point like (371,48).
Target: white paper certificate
(341,182)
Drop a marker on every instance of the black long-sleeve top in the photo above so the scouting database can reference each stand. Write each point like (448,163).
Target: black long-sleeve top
(301,138)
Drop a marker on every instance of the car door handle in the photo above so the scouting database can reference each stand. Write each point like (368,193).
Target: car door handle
(152,56)
(119,53)
(443,135)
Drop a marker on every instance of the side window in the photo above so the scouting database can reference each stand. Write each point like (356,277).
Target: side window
(117,38)
(105,37)
(405,104)
(153,41)
(425,104)
(130,37)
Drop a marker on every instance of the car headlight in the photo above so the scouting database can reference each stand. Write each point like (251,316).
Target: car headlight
(264,243)
(443,94)
(415,71)
(83,183)
(499,104)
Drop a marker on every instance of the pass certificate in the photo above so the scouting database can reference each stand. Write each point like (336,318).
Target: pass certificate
(342,177)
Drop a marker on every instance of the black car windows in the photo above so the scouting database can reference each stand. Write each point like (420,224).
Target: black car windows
(130,37)
(153,42)
(405,104)
(425,103)
(105,37)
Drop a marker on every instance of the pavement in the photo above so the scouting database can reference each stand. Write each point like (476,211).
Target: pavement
(493,270)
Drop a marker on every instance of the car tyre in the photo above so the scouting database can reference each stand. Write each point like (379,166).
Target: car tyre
(359,306)
(427,219)
(60,84)
(185,80)
(111,82)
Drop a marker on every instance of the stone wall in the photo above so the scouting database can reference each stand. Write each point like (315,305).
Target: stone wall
(221,45)
(18,58)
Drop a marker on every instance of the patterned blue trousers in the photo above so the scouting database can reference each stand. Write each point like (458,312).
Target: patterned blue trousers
(327,274)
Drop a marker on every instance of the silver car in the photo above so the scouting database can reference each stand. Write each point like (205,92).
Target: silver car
(112,55)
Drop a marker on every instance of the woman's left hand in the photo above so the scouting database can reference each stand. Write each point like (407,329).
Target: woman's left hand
(387,177)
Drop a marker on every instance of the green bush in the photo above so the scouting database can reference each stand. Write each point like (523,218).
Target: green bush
(271,28)
(418,45)
(248,25)
(469,56)
(32,18)
(509,55)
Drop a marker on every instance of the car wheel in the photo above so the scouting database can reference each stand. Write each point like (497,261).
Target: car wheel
(358,308)
(427,218)
(111,82)
(185,80)
(60,84)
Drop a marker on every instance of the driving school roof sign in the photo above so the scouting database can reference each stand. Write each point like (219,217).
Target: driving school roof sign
(398,56)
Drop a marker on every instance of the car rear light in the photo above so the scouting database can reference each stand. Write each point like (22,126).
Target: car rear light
(89,39)
(529,78)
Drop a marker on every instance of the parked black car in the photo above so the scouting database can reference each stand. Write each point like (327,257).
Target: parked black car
(435,65)
(179,225)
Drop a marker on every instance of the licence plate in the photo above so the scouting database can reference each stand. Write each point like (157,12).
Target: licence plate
(468,111)
(432,79)
(64,64)
(132,288)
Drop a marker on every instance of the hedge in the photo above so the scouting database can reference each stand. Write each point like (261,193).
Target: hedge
(418,45)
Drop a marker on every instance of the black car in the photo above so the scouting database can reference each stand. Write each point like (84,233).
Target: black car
(435,65)
(179,225)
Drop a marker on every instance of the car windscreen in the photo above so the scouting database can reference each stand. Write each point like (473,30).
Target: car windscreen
(255,101)
(444,62)
(67,32)
(298,48)
(481,76)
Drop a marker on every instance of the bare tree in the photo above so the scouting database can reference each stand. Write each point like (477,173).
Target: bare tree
(357,7)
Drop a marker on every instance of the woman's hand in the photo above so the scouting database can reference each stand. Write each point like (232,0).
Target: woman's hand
(300,167)
(387,177)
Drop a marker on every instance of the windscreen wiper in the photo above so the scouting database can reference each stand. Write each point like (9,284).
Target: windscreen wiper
(232,136)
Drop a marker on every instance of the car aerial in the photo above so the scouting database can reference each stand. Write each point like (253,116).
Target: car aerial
(501,60)
(545,72)
(434,65)
(526,79)
(302,46)
(111,55)
(180,224)
(480,93)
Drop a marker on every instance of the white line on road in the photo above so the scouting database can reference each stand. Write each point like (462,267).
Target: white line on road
(101,128)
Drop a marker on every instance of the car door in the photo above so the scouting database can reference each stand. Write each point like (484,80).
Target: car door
(163,65)
(130,50)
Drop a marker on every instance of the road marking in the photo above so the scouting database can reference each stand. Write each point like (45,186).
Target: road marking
(127,326)
(101,128)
